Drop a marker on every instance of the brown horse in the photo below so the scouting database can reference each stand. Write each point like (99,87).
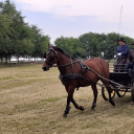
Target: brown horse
(72,75)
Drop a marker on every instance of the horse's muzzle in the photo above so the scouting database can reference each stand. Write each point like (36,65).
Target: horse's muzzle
(45,68)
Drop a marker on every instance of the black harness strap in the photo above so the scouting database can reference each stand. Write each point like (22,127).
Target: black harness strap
(84,68)
(72,65)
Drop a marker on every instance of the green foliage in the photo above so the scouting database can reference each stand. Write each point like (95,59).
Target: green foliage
(92,45)
(72,46)
(20,39)
(40,41)
(16,36)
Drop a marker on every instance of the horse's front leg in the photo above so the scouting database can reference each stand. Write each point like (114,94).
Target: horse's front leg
(70,91)
(95,92)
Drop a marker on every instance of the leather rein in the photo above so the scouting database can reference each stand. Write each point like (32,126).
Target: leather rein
(85,66)
(51,49)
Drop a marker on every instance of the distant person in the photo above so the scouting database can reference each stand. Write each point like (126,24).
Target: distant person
(121,56)
(123,49)
(130,60)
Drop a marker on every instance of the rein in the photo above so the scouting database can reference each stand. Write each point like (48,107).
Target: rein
(85,66)
(51,49)
(65,64)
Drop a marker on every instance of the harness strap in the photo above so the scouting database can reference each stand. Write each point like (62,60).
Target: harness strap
(72,65)
(65,64)
(83,66)
(102,76)
(48,63)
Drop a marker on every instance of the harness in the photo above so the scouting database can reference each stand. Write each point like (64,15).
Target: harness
(84,67)
(71,75)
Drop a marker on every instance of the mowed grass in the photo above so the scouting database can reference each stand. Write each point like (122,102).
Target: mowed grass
(33,101)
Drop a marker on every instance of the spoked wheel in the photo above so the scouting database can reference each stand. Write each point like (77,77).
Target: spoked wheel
(105,94)
(121,93)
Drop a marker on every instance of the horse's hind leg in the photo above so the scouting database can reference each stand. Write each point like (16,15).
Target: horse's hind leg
(76,105)
(109,91)
(95,92)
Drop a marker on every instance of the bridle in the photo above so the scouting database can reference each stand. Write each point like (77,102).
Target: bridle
(49,50)
(55,52)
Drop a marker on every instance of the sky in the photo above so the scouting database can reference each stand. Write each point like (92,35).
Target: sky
(72,18)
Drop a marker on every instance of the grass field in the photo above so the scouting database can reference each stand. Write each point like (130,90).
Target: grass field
(33,101)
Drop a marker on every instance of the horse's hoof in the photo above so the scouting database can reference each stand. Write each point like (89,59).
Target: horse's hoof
(112,103)
(64,115)
(81,108)
(92,108)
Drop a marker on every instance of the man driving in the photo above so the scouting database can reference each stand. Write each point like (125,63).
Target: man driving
(130,60)
(122,55)
(123,49)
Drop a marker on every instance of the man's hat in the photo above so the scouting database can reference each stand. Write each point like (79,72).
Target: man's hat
(122,39)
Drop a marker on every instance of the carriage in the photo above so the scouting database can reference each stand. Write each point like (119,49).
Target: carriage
(124,80)
(88,73)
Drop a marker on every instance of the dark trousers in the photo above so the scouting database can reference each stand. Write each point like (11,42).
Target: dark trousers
(129,66)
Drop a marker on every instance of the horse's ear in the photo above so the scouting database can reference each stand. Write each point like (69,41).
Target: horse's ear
(45,55)
(56,46)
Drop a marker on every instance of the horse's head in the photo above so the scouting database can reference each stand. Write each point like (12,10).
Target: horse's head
(51,58)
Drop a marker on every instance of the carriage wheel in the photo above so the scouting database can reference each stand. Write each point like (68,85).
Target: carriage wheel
(105,94)
(121,93)
(132,90)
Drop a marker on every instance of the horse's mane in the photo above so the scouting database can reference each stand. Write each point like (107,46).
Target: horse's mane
(62,51)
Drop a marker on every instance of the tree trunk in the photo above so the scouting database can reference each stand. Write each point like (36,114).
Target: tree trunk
(6,59)
(10,58)
(1,58)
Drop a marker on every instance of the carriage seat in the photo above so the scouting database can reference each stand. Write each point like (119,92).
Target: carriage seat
(131,72)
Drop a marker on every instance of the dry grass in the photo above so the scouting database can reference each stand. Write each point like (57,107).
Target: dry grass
(33,101)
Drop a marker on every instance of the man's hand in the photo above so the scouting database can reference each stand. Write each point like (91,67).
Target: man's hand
(119,54)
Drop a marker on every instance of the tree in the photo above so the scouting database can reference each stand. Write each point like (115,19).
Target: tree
(5,33)
(40,42)
(91,43)
(17,37)
(71,46)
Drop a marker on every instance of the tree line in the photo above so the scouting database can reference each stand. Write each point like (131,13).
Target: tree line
(92,45)
(17,37)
